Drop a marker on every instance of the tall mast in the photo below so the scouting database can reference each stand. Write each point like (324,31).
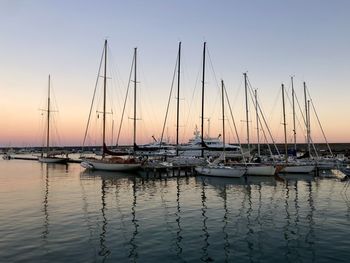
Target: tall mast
(48,120)
(104,100)
(284,125)
(135,85)
(307,120)
(223,118)
(257,120)
(112,132)
(202,117)
(309,127)
(246,110)
(178,100)
(294,131)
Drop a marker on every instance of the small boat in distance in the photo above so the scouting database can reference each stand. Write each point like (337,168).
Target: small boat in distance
(49,156)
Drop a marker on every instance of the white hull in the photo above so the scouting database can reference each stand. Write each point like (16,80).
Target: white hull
(52,160)
(326,165)
(222,171)
(264,170)
(108,166)
(298,169)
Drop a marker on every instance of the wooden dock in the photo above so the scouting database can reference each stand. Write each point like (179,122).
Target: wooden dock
(150,169)
(159,170)
(35,158)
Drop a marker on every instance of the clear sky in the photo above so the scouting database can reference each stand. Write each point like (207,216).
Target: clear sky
(271,40)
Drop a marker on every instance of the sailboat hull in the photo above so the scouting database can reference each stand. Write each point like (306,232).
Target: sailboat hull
(109,166)
(222,171)
(298,169)
(265,170)
(52,160)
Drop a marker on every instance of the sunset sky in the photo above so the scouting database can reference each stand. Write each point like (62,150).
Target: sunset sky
(271,40)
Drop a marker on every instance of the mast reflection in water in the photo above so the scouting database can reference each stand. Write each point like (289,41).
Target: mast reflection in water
(58,213)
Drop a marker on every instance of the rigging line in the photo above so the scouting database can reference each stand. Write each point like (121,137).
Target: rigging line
(116,84)
(212,68)
(42,130)
(116,78)
(265,137)
(183,82)
(234,124)
(53,99)
(319,122)
(304,119)
(54,119)
(297,118)
(126,97)
(192,98)
(231,130)
(301,111)
(113,79)
(289,98)
(238,91)
(54,137)
(276,100)
(300,126)
(93,97)
(256,105)
(167,109)
(114,101)
(265,122)
(145,106)
(290,104)
(216,81)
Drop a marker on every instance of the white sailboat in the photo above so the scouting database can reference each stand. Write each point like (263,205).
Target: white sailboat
(293,166)
(221,171)
(47,156)
(296,167)
(260,169)
(255,168)
(108,162)
(216,169)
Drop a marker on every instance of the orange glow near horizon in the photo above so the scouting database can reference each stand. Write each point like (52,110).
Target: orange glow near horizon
(22,130)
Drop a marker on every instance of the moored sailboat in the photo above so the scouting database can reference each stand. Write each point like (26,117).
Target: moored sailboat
(221,170)
(47,156)
(260,169)
(294,166)
(110,161)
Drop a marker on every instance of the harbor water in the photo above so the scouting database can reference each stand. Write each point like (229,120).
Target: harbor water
(61,213)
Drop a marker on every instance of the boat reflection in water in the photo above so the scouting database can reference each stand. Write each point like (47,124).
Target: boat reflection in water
(45,176)
(205,218)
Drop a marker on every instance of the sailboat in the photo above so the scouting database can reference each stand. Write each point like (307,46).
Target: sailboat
(110,161)
(47,156)
(293,166)
(216,169)
(255,168)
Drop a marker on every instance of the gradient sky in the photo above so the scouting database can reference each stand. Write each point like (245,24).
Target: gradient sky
(271,40)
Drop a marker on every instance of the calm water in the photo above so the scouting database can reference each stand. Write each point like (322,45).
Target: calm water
(57,213)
